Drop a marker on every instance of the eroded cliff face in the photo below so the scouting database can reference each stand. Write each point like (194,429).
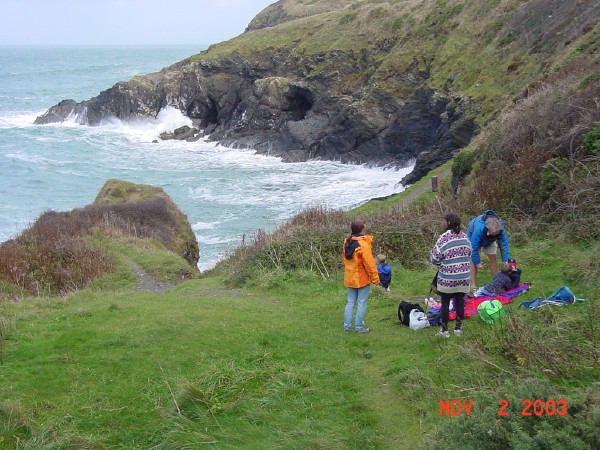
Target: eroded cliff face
(360,82)
(297,109)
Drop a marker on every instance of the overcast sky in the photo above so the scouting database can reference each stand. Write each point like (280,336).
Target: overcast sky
(118,22)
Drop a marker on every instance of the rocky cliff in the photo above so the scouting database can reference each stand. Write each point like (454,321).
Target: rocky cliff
(360,82)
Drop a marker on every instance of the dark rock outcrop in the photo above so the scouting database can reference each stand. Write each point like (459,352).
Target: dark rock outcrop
(297,109)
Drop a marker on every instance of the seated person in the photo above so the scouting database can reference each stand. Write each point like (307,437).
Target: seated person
(385,272)
(501,282)
(515,274)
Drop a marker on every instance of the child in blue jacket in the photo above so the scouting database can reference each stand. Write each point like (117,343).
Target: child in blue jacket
(385,272)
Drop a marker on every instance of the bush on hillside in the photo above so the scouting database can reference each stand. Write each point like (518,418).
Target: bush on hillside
(312,240)
(577,429)
(591,142)
(540,160)
(53,255)
(143,219)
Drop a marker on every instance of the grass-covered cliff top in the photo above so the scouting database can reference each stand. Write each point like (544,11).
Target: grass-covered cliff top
(488,51)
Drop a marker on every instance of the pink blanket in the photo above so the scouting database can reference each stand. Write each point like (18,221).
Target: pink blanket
(471,303)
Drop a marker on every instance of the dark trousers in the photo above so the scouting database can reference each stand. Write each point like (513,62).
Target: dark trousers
(459,306)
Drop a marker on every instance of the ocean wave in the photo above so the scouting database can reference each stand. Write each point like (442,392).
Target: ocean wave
(18,119)
(204,225)
(215,239)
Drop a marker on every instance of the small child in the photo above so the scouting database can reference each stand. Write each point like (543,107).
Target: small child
(385,272)
(501,282)
(515,274)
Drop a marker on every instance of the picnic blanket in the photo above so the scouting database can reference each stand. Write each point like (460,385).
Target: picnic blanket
(471,303)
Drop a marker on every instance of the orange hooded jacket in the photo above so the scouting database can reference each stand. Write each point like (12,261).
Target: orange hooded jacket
(360,269)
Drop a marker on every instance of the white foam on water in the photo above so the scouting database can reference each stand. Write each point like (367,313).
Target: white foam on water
(197,226)
(18,120)
(214,239)
(148,129)
(226,193)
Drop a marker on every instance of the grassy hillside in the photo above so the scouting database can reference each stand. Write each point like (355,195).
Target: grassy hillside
(489,52)
(269,367)
(252,354)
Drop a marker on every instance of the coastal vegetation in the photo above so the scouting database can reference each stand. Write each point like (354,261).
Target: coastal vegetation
(252,354)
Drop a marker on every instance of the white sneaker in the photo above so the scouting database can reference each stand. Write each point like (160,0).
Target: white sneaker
(457,332)
(442,334)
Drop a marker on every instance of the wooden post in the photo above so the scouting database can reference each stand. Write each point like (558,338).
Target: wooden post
(435,183)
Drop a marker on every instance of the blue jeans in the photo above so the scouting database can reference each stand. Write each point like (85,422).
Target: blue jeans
(361,295)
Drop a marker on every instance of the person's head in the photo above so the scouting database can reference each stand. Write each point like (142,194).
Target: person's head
(452,222)
(505,268)
(357,226)
(493,226)
(381,259)
(513,263)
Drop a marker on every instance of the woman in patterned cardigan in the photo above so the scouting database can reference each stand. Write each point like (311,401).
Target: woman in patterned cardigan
(452,252)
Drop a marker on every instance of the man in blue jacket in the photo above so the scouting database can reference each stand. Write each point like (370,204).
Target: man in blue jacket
(487,232)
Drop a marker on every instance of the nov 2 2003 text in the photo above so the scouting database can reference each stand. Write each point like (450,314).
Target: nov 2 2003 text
(528,407)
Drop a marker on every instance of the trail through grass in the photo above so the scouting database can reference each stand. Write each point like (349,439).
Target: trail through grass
(262,367)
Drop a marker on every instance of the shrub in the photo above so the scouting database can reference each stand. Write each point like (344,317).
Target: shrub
(577,429)
(14,426)
(463,163)
(310,240)
(539,159)
(558,342)
(591,142)
(52,256)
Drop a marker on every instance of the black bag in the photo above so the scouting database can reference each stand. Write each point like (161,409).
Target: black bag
(404,309)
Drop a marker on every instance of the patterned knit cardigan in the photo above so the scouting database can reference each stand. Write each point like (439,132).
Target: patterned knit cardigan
(452,252)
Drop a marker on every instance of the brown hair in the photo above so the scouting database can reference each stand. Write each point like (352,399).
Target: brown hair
(453,222)
(356,227)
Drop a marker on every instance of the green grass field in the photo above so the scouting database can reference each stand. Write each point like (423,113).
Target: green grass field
(262,367)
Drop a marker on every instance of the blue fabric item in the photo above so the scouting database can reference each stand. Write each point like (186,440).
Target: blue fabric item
(385,274)
(532,304)
(477,233)
(562,296)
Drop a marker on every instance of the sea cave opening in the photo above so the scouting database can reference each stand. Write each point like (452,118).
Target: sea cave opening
(206,112)
(301,100)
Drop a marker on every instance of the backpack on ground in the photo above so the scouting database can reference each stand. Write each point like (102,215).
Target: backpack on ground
(404,309)
(491,311)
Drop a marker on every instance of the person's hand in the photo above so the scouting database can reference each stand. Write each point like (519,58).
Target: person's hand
(479,266)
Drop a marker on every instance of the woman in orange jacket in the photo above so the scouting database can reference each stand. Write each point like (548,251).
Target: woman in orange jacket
(360,271)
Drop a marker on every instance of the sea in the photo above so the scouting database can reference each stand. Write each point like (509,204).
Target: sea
(227,194)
